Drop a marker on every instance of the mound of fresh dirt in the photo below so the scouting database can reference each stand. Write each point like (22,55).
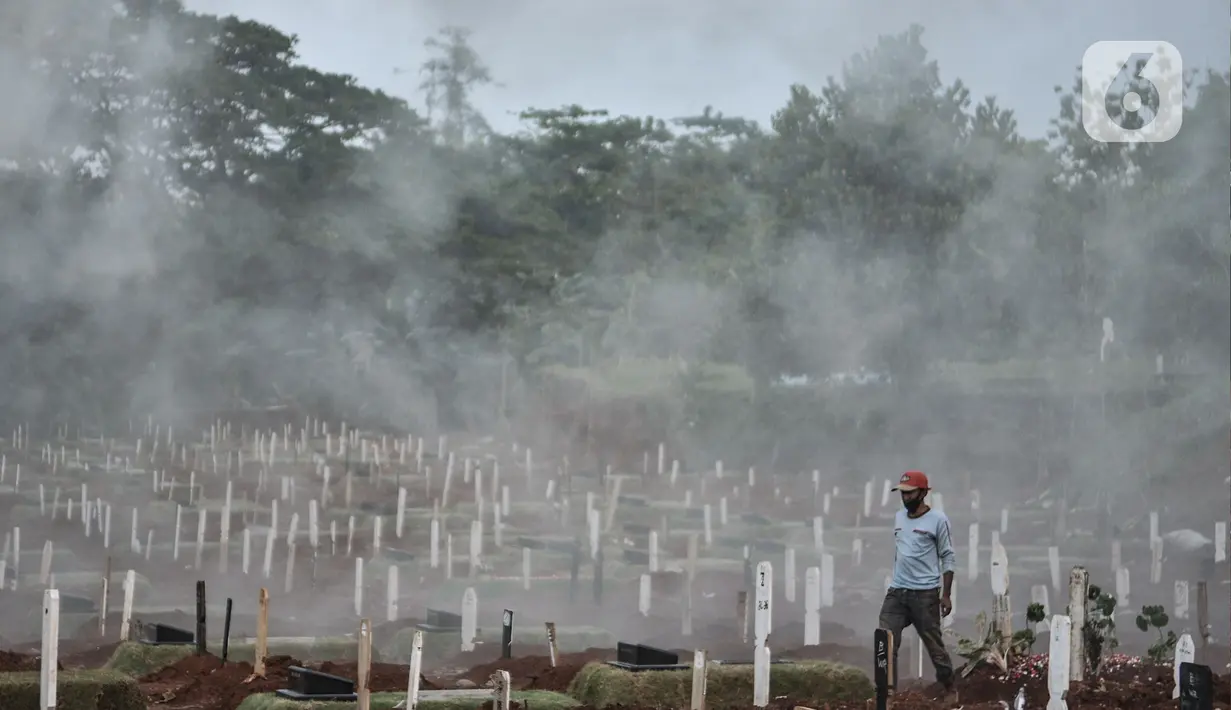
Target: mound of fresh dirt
(1124,683)
(12,662)
(207,683)
(383,676)
(536,672)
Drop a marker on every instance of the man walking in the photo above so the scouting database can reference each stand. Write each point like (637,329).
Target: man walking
(923,562)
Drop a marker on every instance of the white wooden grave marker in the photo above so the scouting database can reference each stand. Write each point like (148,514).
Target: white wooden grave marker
(763,616)
(1122,587)
(812,606)
(1053,566)
(1079,580)
(50,655)
(1059,669)
(972,566)
(1038,595)
(1185,652)
(827,581)
(789,572)
(130,585)
(470,616)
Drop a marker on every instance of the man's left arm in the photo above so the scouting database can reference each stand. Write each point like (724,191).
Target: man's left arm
(944,548)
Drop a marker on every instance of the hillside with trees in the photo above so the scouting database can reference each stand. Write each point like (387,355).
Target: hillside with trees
(193,219)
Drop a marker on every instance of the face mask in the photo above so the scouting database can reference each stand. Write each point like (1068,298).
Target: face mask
(912,505)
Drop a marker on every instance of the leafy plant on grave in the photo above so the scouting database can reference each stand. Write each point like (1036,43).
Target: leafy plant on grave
(1100,629)
(1156,617)
(1024,639)
(987,646)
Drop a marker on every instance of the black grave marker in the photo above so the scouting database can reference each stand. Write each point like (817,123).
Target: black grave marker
(1196,687)
(164,634)
(639,657)
(883,664)
(313,685)
(636,557)
(506,635)
(437,621)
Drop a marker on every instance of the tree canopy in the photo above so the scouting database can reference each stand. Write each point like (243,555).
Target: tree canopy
(189,211)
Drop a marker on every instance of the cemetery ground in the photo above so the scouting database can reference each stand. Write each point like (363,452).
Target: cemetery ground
(339,525)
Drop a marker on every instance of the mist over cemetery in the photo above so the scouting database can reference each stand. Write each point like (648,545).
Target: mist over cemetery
(317,400)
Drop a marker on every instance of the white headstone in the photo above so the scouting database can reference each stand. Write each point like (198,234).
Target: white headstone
(401,514)
(644,592)
(470,616)
(50,655)
(764,581)
(1185,652)
(760,675)
(1000,571)
(812,606)
(1053,564)
(1181,599)
(130,585)
(1058,662)
(1038,595)
(827,581)
(434,543)
(788,569)
(972,566)
(391,594)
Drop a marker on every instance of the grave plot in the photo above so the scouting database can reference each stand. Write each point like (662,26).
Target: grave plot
(433,541)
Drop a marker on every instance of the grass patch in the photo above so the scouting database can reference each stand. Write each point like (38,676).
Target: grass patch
(75,690)
(138,659)
(812,683)
(536,699)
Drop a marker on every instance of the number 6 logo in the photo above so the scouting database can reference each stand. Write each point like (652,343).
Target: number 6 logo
(1132,92)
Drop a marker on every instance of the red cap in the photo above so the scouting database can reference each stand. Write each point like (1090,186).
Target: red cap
(911,481)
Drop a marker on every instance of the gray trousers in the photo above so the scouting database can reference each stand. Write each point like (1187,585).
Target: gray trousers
(919,608)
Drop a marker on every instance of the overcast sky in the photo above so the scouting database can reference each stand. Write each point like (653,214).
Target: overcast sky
(671,58)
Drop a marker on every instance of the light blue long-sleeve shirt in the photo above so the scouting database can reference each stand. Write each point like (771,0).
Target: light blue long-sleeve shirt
(924,550)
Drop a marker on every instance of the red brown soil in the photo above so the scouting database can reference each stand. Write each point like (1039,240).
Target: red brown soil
(86,654)
(535,672)
(13,662)
(384,677)
(74,655)
(1126,688)
(207,683)
(1131,687)
(455,666)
